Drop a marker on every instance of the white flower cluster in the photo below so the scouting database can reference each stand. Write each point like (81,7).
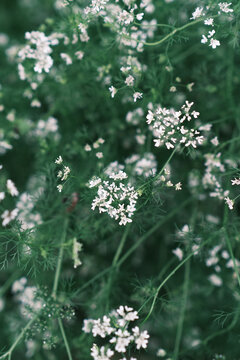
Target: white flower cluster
(167,126)
(26,215)
(7,216)
(143,166)
(63,173)
(210,180)
(39,50)
(96,145)
(116,328)
(46,127)
(201,12)
(26,296)
(217,258)
(113,196)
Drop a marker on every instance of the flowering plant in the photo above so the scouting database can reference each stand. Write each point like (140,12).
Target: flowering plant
(119,179)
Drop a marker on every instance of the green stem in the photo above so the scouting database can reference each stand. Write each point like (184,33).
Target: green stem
(135,246)
(114,263)
(169,276)
(18,339)
(152,230)
(65,339)
(183,310)
(59,260)
(172,33)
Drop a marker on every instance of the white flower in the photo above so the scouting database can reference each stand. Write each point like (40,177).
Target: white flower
(197,13)
(141,338)
(60,187)
(2,195)
(87,147)
(59,160)
(224,7)
(209,22)
(137,95)
(214,43)
(161,352)
(179,253)
(215,141)
(204,39)
(129,80)
(8,216)
(12,188)
(99,155)
(215,280)
(235,181)
(79,54)
(66,58)
(113,91)
(229,202)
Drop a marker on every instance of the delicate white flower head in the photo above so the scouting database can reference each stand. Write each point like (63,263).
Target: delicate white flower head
(67,58)
(137,95)
(8,216)
(113,91)
(161,353)
(215,280)
(129,80)
(116,326)
(209,22)
(12,188)
(59,160)
(198,12)
(167,126)
(235,181)
(215,141)
(179,253)
(214,43)
(224,7)
(229,202)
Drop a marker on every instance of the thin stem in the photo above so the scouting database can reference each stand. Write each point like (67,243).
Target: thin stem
(152,230)
(18,339)
(183,310)
(169,276)
(65,339)
(172,33)
(59,260)
(135,246)
(114,263)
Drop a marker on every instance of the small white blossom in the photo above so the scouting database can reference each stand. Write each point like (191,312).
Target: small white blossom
(235,181)
(179,253)
(209,22)
(113,91)
(129,80)
(224,7)
(229,202)
(214,43)
(137,95)
(12,188)
(215,280)
(199,11)
(59,160)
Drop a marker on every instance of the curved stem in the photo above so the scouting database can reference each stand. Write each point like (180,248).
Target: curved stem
(172,33)
(60,258)
(183,310)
